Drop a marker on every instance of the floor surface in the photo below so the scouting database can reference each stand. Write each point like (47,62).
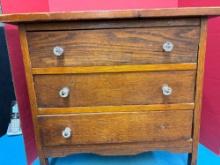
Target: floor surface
(12,153)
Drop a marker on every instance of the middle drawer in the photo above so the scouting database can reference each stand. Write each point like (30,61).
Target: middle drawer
(104,89)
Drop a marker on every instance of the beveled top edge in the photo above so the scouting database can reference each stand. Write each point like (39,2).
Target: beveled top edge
(109,14)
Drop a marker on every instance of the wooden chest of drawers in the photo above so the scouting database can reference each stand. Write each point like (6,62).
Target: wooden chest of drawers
(115,83)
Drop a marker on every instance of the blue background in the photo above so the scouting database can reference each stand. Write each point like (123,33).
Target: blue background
(12,153)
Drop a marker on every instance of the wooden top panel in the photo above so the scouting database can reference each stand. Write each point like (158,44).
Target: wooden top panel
(113,14)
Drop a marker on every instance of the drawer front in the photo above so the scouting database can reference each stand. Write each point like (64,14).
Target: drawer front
(151,126)
(113,46)
(134,88)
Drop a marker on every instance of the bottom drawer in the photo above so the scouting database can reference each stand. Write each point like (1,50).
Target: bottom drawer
(109,128)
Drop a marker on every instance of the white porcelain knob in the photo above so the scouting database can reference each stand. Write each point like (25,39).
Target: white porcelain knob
(58,51)
(168,46)
(64,92)
(67,132)
(166,90)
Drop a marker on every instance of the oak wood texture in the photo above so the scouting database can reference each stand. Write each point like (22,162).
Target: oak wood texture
(113,24)
(113,14)
(31,92)
(107,128)
(113,46)
(199,90)
(116,105)
(116,68)
(121,108)
(120,148)
(135,88)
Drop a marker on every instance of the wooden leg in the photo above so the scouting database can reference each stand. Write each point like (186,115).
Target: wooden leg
(44,161)
(189,159)
(192,158)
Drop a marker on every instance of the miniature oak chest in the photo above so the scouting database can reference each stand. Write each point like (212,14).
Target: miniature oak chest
(114,82)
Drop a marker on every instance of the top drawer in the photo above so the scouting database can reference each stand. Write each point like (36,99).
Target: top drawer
(114,46)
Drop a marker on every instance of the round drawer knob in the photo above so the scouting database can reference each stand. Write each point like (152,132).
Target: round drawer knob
(64,92)
(66,133)
(168,46)
(58,51)
(166,90)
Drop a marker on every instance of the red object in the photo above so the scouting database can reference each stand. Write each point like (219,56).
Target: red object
(70,5)
(18,74)
(21,90)
(210,122)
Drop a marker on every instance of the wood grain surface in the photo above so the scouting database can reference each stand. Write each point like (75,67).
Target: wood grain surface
(104,128)
(199,91)
(116,68)
(113,46)
(115,88)
(121,108)
(179,146)
(109,14)
(31,93)
(111,24)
